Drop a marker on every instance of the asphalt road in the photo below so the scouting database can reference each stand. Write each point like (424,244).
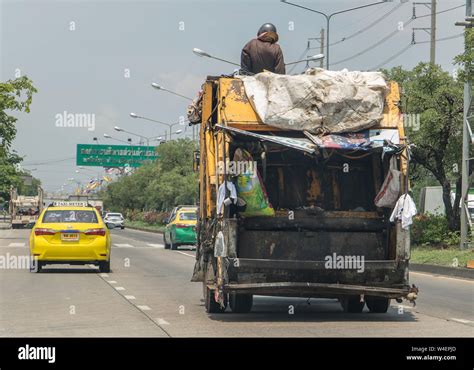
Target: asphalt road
(149,293)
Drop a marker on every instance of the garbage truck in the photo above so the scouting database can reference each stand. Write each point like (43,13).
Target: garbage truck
(25,209)
(300,183)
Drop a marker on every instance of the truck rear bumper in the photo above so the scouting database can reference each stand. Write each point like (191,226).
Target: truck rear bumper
(386,278)
(314,289)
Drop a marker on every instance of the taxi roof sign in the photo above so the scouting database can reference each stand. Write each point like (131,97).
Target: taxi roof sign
(70,203)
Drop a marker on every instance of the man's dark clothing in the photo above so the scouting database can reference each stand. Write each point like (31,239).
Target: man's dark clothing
(263,53)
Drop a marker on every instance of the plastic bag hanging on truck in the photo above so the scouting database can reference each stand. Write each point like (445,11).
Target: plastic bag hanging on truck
(390,190)
(251,189)
(195,109)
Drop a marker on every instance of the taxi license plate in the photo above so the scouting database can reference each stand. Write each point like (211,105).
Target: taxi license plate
(70,237)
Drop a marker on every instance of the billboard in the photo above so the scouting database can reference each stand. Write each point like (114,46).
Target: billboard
(114,155)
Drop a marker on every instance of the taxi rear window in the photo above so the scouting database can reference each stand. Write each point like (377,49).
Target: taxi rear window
(70,216)
(187,216)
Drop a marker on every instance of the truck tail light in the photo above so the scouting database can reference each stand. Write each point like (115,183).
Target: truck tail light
(100,232)
(43,231)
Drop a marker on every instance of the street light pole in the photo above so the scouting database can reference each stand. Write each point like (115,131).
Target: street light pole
(129,141)
(142,138)
(170,125)
(328,19)
(159,87)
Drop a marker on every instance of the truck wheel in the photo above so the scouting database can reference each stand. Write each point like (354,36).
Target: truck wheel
(211,305)
(352,304)
(377,304)
(104,266)
(240,303)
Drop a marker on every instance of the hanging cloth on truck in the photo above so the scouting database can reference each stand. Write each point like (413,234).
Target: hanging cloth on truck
(404,211)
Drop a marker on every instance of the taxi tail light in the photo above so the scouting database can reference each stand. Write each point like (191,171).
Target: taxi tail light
(43,231)
(182,226)
(100,232)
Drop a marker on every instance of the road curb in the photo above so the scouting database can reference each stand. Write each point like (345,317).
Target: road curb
(443,270)
(142,229)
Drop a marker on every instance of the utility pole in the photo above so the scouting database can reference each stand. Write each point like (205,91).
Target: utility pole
(433,33)
(321,63)
(328,18)
(319,39)
(430,30)
(467,135)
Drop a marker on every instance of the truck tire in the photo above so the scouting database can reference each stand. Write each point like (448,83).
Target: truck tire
(377,304)
(209,302)
(240,303)
(352,304)
(104,266)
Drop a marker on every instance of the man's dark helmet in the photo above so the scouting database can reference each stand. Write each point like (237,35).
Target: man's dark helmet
(267,27)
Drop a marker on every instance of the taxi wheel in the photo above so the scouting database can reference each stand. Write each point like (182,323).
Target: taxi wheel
(104,266)
(39,266)
(173,246)
(167,246)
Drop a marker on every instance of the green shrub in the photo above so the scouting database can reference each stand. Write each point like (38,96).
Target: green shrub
(432,230)
(154,218)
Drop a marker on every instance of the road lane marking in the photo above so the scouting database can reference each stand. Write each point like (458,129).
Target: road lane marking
(123,245)
(104,275)
(16,244)
(462,321)
(130,297)
(189,255)
(160,321)
(112,281)
(119,288)
(155,245)
(144,308)
(443,277)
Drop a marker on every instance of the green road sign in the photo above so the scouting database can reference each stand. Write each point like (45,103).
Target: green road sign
(114,155)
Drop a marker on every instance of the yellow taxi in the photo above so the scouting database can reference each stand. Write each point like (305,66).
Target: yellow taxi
(70,233)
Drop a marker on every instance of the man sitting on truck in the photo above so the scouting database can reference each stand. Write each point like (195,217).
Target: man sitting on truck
(263,53)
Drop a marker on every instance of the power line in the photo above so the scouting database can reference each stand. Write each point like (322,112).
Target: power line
(400,52)
(47,161)
(442,39)
(442,11)
(394,56)
(369,26)
(390,35)
(301,57)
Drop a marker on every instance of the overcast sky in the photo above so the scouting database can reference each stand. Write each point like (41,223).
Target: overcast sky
(99,57)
